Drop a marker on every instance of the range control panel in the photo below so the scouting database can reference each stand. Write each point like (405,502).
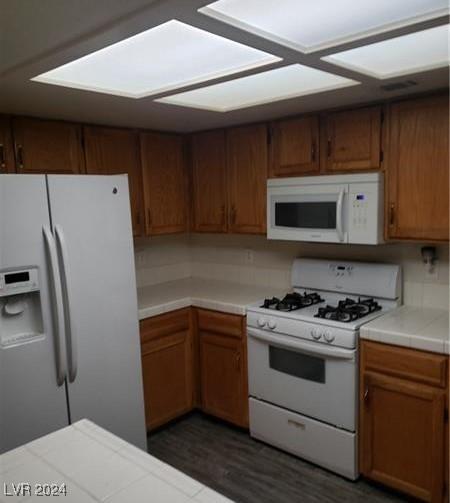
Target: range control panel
(19,281)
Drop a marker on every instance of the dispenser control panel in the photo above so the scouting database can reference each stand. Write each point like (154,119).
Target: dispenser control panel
(18,281)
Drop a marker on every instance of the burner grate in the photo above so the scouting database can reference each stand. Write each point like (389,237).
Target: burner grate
(348,310)
(292,301)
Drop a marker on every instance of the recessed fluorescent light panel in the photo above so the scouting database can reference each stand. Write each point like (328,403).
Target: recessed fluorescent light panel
(265,87)
(311,25)
(163,58)
(413,53)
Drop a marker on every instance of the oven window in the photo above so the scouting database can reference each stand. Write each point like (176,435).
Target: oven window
(296,364)
(306,215)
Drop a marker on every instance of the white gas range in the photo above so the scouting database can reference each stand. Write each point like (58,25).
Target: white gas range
(303,358)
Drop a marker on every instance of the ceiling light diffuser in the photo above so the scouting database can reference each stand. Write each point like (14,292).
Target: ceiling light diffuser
(307,25)
(413,53)
(265,87)
(163,58)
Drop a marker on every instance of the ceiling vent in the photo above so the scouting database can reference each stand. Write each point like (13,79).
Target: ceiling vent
(396,86)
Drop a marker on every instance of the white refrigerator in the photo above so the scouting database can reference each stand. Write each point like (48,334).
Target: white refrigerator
(69,333)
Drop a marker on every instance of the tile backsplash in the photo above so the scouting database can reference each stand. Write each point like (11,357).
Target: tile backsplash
(256,260)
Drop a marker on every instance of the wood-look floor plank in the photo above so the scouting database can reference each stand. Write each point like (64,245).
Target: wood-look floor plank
(229,461)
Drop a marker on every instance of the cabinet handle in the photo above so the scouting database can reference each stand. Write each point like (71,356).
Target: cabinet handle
(329,147)
(138,218)
(149,218)
(366,394)
(391,214)
(313,151)
(222,212)
(238,361)
(2,157)
(19,155)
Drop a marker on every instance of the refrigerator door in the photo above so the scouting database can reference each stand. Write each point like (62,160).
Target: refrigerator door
(92,225)
(32,391)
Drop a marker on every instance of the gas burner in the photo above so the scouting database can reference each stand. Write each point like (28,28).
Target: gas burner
(348,310)
(292,301)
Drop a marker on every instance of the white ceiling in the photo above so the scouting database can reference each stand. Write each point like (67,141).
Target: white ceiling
(54,32)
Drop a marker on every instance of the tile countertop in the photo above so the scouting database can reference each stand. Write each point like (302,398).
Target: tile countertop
(412,327)
(96,466)
(209,294)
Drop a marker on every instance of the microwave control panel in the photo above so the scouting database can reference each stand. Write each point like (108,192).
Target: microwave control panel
(19,281)
(365,213)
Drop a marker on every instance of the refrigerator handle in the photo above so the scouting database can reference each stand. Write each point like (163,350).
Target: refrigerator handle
(65,283)
(58,316)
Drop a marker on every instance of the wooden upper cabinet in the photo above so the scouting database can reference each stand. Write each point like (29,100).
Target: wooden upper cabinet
(418,169)
(247,178)
(46,146)
(165,183)
(351,140)
(115,151)
(209,181)
(6,148)
(294,147)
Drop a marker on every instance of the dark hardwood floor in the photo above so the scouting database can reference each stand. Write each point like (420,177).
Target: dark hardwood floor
(227,460)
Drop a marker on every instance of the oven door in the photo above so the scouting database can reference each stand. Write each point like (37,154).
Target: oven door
(310,378)
(308,213)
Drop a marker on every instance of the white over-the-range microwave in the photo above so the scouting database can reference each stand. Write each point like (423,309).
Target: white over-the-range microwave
(327,209)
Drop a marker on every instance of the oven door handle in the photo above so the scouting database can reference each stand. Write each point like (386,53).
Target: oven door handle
(312,348)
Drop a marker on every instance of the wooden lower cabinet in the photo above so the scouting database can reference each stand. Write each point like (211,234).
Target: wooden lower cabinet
(223,365)
(194,358)
(403,420)
(167,370)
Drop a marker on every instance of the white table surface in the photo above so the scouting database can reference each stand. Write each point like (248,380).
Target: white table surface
(222,296)
(412,327)
(97,466)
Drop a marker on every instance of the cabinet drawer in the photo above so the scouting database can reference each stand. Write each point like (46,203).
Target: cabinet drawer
(164,324)
(220,323)
(411,364)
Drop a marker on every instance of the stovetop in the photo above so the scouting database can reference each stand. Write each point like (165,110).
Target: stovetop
(324,308)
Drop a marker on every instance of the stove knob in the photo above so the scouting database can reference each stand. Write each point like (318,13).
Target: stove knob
(271,324)
(329,337)
(261,322)
(315,334)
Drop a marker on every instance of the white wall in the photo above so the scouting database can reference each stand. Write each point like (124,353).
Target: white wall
(226,257)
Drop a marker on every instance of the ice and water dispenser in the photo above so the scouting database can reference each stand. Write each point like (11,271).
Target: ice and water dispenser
(20,307)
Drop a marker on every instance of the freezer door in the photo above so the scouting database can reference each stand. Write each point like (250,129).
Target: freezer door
(32,392)
(92,226)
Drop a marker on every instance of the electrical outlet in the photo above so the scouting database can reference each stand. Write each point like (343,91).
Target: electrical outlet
(249,256)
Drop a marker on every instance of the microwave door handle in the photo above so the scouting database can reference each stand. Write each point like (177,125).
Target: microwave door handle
(311,348)
(58,317)
(65,282)
(339,215)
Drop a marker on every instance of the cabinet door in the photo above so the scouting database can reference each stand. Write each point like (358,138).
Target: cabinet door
(294,147)
(165,187)
(402,435)
(352,140)
(47,146)
(247,178)
(167,368)
(6,149)
(114,151)
(417,170)
(209,181)
(223,377)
